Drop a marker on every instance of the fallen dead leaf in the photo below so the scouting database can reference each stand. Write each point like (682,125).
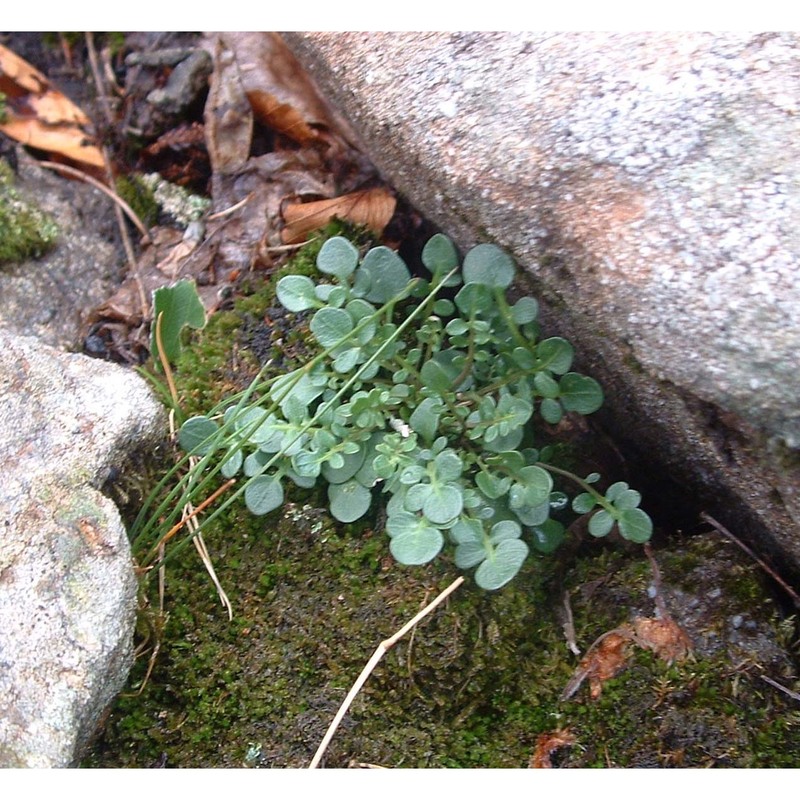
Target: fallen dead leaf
(606,658)
(546,745)
(169,258)
(39,116)
(608,655)
(228,116)
(371,207)
(283,95)
(281,117)
(663,636)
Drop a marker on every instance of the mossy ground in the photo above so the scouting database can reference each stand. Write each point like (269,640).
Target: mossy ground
(475,684)
(25,230)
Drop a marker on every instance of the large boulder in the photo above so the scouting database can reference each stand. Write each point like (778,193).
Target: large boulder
(650,185)
(67,586)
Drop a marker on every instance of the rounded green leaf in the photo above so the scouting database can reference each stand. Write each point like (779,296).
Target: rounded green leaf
(615,490)
(439,255)
(601,523)
(331,326)
(346,360)
(448,465)
(492,485)
(555,354)
(580,393)
(502,565)
(583,503)
(263,494)
(443,504)
(232,463)
(296,293)
(548,536)
(545,385)
(349,465)
(337,257)
(525,310)
(388,274)
(444,307)
(467,530)
(475,298)
(418,545)
(180,305)
(195,433)
(505,529)
(425,419)
(533,515)
(628,499)
(531,488)
(635,525)
(469,554)
(349,500)
(489,265)
(551,411)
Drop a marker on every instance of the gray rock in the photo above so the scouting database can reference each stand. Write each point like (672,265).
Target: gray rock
(67,587)
(51,297)
(649,185)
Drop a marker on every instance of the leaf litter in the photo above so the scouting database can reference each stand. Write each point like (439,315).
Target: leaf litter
(610,652)
(283,164)
(38,115)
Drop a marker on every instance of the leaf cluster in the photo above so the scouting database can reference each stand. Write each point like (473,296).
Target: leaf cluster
(424,401)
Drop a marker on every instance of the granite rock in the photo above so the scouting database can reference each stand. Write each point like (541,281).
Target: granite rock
(649,184)
(67,585)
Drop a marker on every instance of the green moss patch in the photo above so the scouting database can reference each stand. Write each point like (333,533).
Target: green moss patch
(25,230)
(477,682)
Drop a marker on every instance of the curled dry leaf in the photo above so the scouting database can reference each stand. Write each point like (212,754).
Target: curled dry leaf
(606,657)
(281,117)
(39,116)
(227,114)
(283,96)
(547,744)
(664,637)
(609,654)
(371,207)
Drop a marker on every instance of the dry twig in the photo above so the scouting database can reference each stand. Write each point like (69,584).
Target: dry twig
(379,653)
(771,572)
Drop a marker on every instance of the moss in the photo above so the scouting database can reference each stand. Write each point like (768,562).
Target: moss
(139,197)
(25,231)
(477,682)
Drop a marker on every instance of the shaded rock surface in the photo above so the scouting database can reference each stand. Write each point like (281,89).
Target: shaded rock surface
(67,588)
(51,297)
(648,183)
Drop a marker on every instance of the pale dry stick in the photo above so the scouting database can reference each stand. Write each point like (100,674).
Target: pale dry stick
(793,695)
(382,649)
(226,212)
(568,626)
(200,545)
(76,173)
(777,578)
(658,598)
(98,81)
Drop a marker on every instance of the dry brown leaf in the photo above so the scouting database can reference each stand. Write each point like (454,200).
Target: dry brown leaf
(663,636)
(227,115)
(609,654)
(546,745)
(166,260)
(371,207)
(269,69)
(281,117)
(39,116)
